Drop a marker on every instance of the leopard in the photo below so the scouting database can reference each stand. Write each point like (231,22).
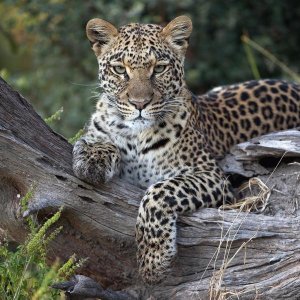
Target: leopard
(152,131)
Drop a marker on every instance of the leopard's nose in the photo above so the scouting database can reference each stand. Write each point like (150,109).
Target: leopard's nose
(139,104)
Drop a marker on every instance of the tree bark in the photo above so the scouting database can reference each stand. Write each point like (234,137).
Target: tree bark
(221,253)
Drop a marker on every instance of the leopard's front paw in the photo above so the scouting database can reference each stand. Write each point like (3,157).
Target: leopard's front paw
(156,241)
(95,162)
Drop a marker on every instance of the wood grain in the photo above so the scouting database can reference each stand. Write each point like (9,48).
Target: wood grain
(99,221)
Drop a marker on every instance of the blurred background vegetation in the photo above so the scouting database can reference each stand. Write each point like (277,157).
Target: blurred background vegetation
(45,55)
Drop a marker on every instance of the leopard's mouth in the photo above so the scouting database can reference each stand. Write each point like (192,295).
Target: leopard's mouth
(140,118)
(142,121)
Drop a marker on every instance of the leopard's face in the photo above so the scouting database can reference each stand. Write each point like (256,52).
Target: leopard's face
(143,78)
(141,67)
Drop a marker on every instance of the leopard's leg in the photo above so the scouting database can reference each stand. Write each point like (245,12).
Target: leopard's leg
(95,158)
(191,189)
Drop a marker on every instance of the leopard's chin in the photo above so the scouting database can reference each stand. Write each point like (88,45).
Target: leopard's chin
(140,124)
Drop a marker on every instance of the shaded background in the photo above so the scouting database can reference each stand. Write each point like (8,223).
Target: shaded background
(45,55)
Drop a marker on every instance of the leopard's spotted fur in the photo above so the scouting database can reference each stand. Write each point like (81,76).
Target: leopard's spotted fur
(151,131)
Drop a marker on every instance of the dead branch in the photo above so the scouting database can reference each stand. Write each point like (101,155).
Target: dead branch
(230,252)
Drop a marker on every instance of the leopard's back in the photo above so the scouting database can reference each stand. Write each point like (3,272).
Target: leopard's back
(233,114)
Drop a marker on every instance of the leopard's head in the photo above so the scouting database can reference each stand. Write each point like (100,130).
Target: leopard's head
(141,67)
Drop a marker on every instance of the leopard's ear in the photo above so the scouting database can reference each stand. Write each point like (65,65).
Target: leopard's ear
(101,34)
(177,33)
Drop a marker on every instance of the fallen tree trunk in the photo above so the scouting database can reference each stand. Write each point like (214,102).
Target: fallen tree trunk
(221,253)
(244,158)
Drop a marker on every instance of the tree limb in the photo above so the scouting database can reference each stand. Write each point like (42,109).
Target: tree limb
(219,251)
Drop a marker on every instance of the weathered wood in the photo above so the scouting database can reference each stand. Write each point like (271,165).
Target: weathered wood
(99,222)
(273,144)
(82,287)
(244,158)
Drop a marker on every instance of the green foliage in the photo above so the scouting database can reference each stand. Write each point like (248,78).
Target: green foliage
(69,268)
(285,69)
(25,200)
(45,54)
(24,206)
(24,273)
(55,117)
(76,137)
(251,58)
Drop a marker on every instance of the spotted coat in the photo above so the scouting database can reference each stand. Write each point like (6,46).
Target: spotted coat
(151,131)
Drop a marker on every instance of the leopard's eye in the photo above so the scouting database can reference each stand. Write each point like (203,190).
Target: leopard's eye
(119,70)
(159,69)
